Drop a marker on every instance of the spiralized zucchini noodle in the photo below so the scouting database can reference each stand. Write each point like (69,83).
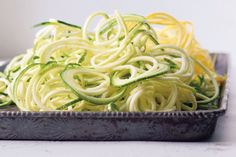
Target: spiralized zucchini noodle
(127,63)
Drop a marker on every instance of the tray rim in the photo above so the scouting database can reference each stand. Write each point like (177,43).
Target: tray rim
(214,113)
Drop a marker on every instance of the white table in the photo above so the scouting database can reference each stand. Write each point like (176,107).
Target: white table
(215,23)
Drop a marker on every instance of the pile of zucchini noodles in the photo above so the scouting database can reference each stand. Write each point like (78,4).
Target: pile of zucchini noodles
(126,63)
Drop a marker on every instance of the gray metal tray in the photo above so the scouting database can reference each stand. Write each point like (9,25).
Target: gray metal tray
(109,126)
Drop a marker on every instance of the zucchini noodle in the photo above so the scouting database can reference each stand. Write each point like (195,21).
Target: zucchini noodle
(4,97)
(126,63)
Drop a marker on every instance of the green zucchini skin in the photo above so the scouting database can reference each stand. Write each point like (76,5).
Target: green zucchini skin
(117,83)
(91,99)
(55,22)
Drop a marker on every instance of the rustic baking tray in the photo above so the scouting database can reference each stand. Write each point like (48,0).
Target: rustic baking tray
(109,126)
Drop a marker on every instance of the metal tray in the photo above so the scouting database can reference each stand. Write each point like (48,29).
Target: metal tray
(109,126)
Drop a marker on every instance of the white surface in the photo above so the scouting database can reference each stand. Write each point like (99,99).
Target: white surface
(215,22)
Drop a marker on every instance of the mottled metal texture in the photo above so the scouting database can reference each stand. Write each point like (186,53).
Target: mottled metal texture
(109,126)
